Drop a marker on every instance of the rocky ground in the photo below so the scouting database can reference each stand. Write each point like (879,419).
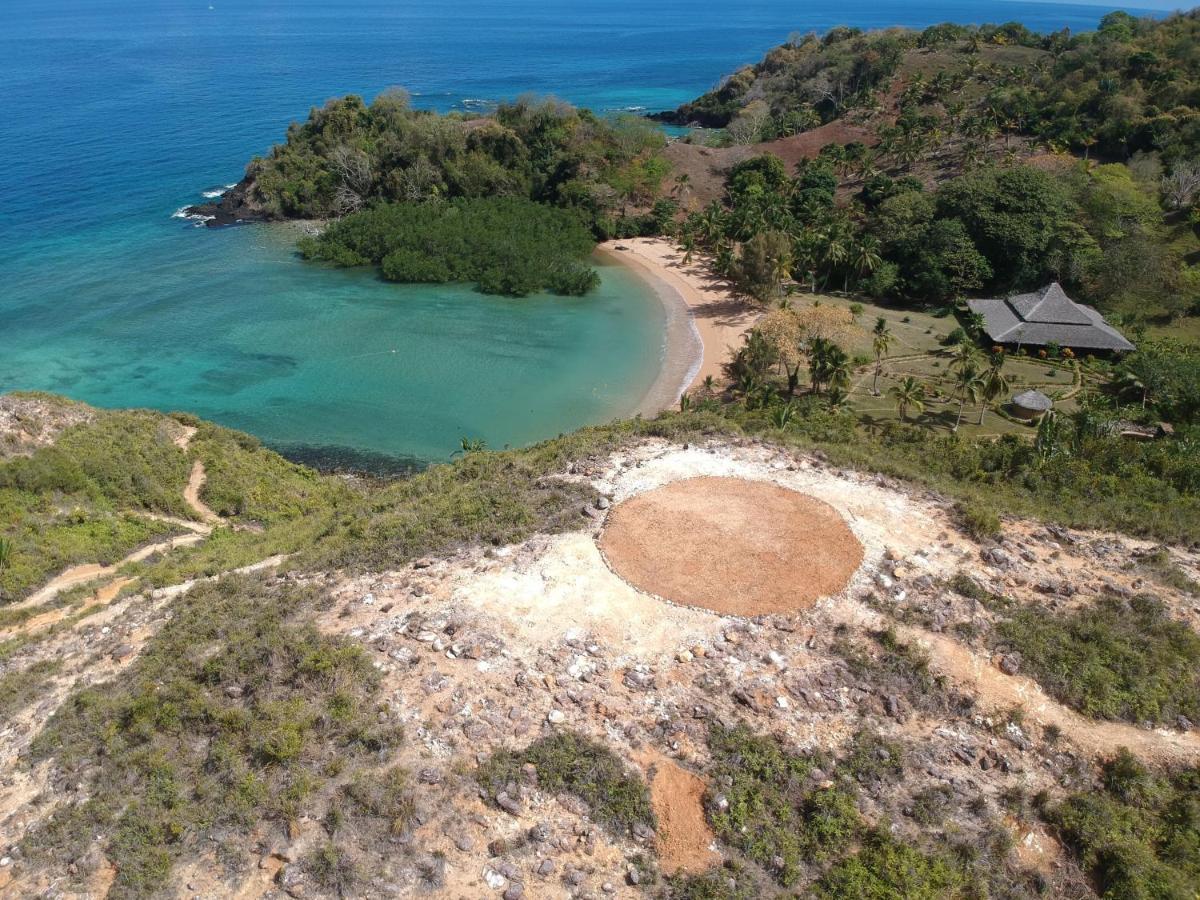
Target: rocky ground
(29,421)
(493,647)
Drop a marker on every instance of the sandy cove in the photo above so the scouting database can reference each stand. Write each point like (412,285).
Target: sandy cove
(706,317)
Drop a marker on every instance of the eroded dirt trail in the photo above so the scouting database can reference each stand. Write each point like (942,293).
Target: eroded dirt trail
(191,495)
(89,572)
(995,691)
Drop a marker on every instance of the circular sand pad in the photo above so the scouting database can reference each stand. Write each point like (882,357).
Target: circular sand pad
(742,548)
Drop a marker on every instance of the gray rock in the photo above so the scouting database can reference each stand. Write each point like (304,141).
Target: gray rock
(574,877)
(639,681)
(510,805)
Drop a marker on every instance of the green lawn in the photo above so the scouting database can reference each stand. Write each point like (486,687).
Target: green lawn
(917,350)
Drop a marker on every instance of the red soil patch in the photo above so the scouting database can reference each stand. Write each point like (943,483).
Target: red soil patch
(808,144)
(684,837)
(735,547)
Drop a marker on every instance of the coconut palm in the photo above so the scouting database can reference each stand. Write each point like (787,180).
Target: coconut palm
(689,247)
(995,384)
(828,365)
(963,355)
(881,342)
(908,394)
(836,251)
(866,256)
(969,384)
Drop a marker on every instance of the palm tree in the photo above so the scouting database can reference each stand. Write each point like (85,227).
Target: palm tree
(881,341)
(712,223)
(837,399)
(963,355)
(908,394)
(682,182)
(866,256)
(970,385)
(835,253)
(995,384)
(689,247)
(837,369)
(828,365)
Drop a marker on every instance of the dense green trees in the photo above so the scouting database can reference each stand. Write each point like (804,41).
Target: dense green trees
(1100,230)
(807,81)
(1130,85)
(349,154)
(505,245)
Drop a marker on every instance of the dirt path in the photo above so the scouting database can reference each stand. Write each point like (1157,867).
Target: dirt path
(685,841)
(191,495)
(995,690)
(89,572)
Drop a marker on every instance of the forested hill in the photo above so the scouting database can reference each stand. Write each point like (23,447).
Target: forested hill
(1132,85)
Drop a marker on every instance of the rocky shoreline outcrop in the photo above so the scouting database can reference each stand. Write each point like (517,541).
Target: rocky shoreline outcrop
(238,205)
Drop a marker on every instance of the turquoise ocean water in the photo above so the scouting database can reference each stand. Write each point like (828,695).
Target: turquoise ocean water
(114,114)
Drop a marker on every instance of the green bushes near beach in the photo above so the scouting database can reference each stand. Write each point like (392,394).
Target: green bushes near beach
(504,245)
(350,154)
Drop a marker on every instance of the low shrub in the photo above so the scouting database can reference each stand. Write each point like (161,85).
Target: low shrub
(1112,659)
(570,763)
(1138,835)
(225,721)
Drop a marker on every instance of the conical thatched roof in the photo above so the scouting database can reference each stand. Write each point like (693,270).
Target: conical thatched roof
(1034,401)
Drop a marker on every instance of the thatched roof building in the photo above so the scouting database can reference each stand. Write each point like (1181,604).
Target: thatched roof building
(1045,317)
(1030,404)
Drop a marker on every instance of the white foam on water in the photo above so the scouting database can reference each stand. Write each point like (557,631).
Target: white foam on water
(218,192)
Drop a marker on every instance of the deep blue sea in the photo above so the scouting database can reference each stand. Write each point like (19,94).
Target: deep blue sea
(114,114)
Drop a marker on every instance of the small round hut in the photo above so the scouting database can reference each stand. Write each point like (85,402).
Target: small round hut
(1031,404)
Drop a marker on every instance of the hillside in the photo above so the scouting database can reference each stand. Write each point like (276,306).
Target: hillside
(1125,88)
(921,168)
(585,668)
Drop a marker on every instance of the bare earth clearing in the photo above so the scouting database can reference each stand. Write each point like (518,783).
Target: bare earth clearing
(741,548)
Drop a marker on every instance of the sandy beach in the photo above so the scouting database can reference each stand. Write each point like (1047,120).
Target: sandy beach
(706,318)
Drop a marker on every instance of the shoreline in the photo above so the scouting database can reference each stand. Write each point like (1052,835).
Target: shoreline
(683,348)
(706,319)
